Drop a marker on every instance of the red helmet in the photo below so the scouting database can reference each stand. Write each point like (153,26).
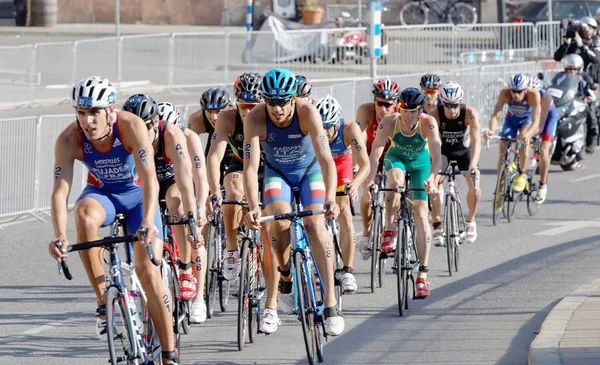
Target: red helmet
(386,89)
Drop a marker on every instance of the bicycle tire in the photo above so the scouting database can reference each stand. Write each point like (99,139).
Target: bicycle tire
(498,196)
(243,295)
(254,308)
(212,271)
(462,11)
(374,241)
(177,314)
(532,205)
(381,269)
(456,230)
(224,287)
(509,195)
(399,274)
(412,8)
(306,312)
(448,232)
(406,265)
(186,314)
(338,264)
(115,300)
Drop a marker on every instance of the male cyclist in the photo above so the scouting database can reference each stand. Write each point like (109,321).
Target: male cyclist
(522,117)
(416,150)
(304,89)
(291,134)
(369,117)
(347,146)
(115,147)
(430,85)
(169,113)
(453,118)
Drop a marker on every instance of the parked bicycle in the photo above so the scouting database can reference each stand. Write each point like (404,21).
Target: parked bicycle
(455,12)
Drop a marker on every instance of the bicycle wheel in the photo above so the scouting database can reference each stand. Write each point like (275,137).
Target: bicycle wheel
(456,224)
(257,288)
(121,340)
(177,314)
(306,311)
(413,13)
(449,231)
(337,271)
(243,294)
(381,269)
(374,238)
(224,286)
(399,269)
(462,14)
(532,205)
(499,198)
(214,243)
(185,310)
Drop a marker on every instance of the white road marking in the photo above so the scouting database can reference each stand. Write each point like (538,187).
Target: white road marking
(585,178)
(567,226)
(36,330)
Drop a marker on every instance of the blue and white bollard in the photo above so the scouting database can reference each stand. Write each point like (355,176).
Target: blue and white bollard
(374,35)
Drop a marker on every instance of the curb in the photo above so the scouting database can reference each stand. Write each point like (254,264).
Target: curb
(544,350)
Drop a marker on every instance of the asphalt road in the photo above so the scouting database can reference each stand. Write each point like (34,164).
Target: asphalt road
(488,313)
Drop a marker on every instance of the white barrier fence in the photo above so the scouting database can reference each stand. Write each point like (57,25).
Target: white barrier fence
(45,71)
(27,144)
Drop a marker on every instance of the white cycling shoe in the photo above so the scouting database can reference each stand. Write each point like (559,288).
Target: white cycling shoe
(334,322)
(198,312)
(349,283)
(270,321)
(231,269)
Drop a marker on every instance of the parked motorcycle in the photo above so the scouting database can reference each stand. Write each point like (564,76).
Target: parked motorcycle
(350,46)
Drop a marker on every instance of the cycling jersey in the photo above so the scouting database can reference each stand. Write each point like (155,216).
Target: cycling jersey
(291,163)
(518,116)
(236,140)
(453,132)
(549,132)
(411,155)
(342,158)
(113,182)
(165,172)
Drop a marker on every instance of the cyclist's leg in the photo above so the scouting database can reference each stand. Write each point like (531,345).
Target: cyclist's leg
(419,171)
(395,172)
(548,134)
(157,292)
(92,211)
(524,151)
(312,196)
(234,190)
(438,231)
(200,258)
(347,242)
(473,196)
(172,197)
(509,129)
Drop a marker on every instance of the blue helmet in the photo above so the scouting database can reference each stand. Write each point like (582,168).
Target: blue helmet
(518,82)
(279,83)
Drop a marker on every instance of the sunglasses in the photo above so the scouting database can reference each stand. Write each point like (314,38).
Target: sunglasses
(430,91)
(406,107)
(451,106)
(246,106)
(517,92)
(278,102)
(571,69)
(384,104)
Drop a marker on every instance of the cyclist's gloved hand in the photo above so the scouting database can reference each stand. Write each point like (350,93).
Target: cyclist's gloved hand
(55,252)
(331,210)
(252,219)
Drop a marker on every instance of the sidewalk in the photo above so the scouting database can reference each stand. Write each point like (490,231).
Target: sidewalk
(110,29)
(570,335)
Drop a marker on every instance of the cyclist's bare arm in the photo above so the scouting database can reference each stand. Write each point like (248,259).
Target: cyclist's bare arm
(311,123)
(196,153)
(430,131)
(474,135)
(66,151)
(196,122)
(176,150)
(503,98)
(362,119)
(134,136)
(534,100)
(217,149)
(353,138)
(255,129)
(385,130)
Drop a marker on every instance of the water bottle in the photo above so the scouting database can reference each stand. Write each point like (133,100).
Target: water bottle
(532,163)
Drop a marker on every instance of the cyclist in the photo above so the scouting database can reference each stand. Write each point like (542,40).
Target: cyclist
(368,117)
(290,132)
(416,150)
(304,89)
(522,117)
(347,146)
(115,147)
(170,113)
(547,132)
(430,85)
(461,145)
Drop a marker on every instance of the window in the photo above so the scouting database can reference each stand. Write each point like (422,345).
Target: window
(568,9)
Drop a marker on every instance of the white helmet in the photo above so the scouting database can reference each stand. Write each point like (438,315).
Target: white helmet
(535,83)
(93,92)
(573,61)
(330,110)
(518,82)
(169,113)
(452,93)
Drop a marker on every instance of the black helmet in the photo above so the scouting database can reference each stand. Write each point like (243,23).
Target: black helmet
(304,87)
(216,98)
(143,106)
(411,98)
(247,87)
(431,81)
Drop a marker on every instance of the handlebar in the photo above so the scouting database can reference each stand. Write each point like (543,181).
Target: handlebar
(291,215)
(345,193)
